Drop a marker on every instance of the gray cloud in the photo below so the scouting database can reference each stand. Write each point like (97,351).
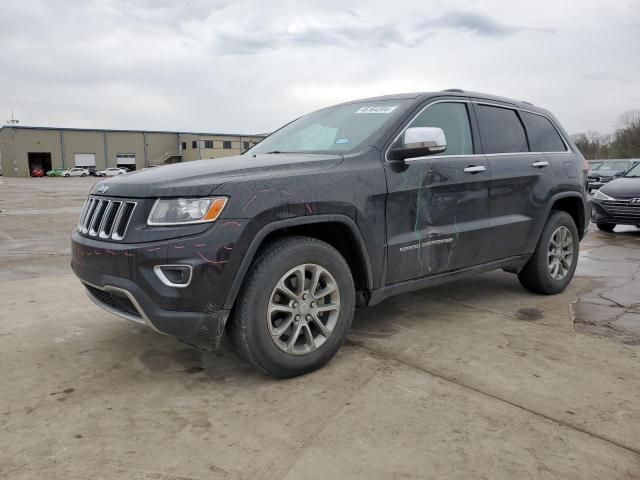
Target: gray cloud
(251,65)
(606,77)
(479,24)
(341,36)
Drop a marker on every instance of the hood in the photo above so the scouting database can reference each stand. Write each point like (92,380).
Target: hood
(607,173)
(200,178)
(625,187)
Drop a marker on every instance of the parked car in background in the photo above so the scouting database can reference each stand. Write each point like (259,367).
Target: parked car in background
(37,172)
(56,172)
(607,171)
(618,202)
(110,172)
(594,164)
(77,172)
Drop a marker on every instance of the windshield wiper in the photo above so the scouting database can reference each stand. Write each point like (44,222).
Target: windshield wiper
(276,152)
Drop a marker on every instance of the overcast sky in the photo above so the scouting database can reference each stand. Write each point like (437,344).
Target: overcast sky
(250,66)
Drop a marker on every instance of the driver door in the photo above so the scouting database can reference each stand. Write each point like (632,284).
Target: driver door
(437,212)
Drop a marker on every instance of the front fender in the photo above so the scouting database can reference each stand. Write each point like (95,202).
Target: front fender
(254,235)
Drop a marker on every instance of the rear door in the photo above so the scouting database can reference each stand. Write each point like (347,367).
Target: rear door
(521,181)
(437,206)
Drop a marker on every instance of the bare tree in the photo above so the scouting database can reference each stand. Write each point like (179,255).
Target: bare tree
(592,145)
(626,141)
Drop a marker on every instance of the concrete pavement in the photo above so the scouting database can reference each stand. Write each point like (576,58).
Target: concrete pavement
(475,379)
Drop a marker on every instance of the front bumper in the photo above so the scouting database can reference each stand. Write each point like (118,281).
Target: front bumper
(619,211)
(120,278)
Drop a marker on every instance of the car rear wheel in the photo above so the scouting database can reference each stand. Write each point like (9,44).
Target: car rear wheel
(295,308)
(606,227)
(553,263)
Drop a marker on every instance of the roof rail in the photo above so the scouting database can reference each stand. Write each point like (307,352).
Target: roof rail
(528,103)
(457,90)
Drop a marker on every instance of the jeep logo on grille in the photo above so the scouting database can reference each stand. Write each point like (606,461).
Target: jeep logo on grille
(635,201)
(104,188)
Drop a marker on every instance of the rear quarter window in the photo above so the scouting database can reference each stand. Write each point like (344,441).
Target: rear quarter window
(543,136)
(501,130)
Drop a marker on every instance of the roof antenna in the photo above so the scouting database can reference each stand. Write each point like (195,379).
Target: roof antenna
(13,121)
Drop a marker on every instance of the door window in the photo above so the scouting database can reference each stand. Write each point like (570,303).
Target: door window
(501,130)
(543,136)
(453,119)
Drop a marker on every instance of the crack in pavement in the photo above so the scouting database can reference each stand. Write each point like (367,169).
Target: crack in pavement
(453,380)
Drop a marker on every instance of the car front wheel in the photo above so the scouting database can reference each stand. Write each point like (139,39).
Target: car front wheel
(295,308)
(553,263)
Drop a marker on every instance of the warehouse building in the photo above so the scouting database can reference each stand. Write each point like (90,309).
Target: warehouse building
(23,149)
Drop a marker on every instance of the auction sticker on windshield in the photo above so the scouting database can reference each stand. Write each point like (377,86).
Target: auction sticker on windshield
(377,109)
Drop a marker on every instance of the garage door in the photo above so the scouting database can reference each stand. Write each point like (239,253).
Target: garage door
(85,159)
(126,159)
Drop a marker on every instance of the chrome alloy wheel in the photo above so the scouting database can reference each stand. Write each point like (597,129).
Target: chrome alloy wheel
(560,254)
(303,309)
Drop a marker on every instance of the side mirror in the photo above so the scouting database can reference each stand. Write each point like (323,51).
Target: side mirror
(419,142)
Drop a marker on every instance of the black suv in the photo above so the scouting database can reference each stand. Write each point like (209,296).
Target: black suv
(340,208)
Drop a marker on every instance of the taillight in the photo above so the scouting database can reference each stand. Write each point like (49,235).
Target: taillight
(585,165)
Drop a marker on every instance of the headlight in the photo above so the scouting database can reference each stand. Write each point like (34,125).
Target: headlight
(602,196)
(184,211)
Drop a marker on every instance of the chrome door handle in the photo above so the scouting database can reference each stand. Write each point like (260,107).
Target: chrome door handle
(540,164)
(475,169)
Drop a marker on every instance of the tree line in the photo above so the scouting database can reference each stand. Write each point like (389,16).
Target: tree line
(623,143)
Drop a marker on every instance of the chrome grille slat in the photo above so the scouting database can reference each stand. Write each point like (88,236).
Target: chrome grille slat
(122,222)
(83,212)
(98,212)
(89,216)
(106,218)
(106,225)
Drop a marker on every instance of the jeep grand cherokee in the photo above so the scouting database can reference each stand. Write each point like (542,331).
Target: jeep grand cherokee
(340,208)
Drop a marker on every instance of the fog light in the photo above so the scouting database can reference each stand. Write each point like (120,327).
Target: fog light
(178,276)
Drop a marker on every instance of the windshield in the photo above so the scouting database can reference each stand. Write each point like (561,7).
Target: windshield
(336,129)
(595,165)
(634,172)
(621,165)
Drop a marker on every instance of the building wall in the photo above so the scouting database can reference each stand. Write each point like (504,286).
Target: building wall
(125,142)
(17,143)
(161,146)
(150,148)
(80,141)
(218,150)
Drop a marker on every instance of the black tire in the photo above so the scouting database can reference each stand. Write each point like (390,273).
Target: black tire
(536,276)
(249,328)
(84,174)
(606,227)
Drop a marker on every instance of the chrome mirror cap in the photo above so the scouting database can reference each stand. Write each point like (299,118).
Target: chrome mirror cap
(419,142)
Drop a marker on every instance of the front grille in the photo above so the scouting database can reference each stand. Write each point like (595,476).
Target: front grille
(622,208)
(105,218)
(115,301)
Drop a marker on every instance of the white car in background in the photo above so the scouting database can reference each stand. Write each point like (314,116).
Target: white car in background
(76,172)
(111,172)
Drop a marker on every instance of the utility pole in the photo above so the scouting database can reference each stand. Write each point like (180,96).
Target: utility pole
(13,122)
